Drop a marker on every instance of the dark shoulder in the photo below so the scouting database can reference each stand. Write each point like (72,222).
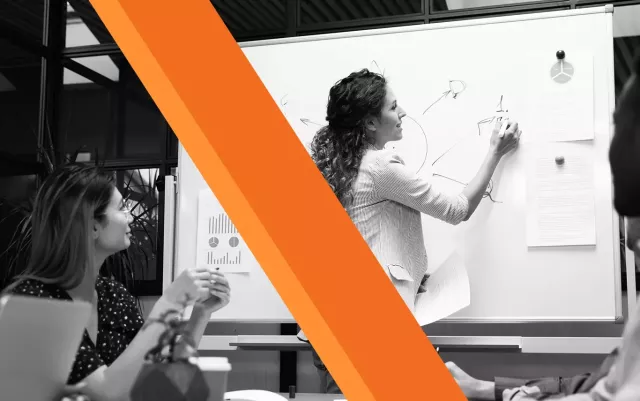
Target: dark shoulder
(111,289)
(39,289)
(118,306)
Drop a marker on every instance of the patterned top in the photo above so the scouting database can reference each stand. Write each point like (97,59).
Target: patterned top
(387,206)
(119,321)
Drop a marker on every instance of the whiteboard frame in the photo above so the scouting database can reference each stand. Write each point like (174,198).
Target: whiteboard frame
(524,345)
(173,199)
(169,243)
(440,25)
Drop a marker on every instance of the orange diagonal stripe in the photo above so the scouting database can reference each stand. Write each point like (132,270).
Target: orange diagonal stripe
(265,180)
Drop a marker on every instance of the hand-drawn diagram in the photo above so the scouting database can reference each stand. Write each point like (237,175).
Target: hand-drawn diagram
(377,67)
(501,113)
(456,87)
(306,121)
(283,104)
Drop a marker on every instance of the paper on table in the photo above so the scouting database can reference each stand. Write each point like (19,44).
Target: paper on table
(219,243)
(252,395)
(560,197)
(560,101)
(447,292)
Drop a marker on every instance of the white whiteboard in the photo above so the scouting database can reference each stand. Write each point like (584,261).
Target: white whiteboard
(493,57)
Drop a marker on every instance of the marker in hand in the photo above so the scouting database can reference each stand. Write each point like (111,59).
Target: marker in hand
(503,128)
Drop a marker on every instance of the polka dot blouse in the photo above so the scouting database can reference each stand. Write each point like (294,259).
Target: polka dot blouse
(119,321)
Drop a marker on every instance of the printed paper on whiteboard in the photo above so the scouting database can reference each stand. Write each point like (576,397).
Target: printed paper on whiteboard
(448,291)
(560,197)
(219,242)
(560,101)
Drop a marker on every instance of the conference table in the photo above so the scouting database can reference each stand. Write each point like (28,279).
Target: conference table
(314,397)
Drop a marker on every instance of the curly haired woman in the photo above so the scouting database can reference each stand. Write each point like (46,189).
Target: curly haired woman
(382,196)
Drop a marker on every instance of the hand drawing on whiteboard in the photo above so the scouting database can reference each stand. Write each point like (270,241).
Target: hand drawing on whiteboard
(501,112)
(219,243)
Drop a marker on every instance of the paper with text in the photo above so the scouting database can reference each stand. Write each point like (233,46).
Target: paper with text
(560,196)
(448,291)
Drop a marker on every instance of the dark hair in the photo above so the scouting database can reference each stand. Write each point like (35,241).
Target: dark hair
(337,149)
(624,153)
(61,222)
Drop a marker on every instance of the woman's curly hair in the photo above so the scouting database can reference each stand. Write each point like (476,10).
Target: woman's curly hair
(337,148)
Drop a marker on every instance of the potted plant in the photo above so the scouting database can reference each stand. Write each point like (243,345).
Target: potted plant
(171,371)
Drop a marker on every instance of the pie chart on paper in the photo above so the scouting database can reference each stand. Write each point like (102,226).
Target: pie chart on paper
(562,72)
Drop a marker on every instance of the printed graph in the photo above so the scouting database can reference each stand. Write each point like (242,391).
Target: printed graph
(227,259)
(219,242)
(221,224)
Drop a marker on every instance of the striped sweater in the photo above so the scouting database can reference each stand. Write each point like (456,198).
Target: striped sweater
(388,201)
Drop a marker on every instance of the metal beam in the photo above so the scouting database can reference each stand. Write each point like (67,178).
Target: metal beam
(92,50)
(496,11)
(88,73)
(363,23)
(293,17)
(53,32)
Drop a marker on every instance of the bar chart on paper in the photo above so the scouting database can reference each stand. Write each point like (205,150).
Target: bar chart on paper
(219,242)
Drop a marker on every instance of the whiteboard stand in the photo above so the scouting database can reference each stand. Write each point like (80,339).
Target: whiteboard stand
(631,279)
(168,256)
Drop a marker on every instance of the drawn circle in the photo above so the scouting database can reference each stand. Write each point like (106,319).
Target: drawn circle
(457,87)
(213,242)
(234,242)
(562,72)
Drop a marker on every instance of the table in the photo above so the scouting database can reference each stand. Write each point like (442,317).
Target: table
(313,397)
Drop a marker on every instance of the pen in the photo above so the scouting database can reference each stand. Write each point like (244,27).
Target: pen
(503,117)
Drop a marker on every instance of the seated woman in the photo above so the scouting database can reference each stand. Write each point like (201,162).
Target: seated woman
(79,220)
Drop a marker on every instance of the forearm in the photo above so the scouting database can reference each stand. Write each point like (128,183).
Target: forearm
(115,382)
(485,390)
(475,190)
(198,323)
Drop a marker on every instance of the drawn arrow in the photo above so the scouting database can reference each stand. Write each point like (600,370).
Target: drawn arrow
(306,121)
(444,94)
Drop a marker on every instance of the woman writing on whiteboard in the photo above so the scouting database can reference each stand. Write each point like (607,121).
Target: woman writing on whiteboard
(383,197)
(79,220)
